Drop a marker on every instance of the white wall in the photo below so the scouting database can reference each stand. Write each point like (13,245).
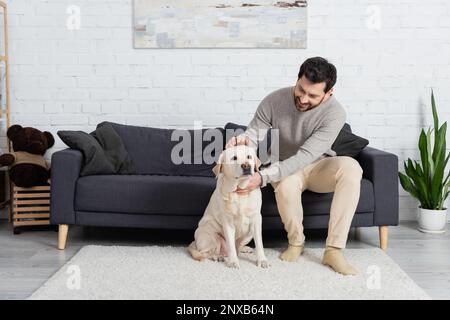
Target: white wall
(74,79)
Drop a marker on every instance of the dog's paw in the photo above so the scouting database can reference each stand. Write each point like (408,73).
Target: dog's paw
(262,263)
(246,249)
(232,264)
(218,258)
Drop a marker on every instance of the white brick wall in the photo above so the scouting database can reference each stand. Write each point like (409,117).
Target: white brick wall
(74,79)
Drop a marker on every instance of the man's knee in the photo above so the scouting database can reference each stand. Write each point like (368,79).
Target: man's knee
(350,168)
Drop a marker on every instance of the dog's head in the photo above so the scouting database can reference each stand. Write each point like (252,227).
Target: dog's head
(237,162)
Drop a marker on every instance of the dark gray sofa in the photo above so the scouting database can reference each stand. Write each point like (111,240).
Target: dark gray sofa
(163,195)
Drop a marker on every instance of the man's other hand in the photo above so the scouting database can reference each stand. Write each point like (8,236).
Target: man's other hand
(255,182)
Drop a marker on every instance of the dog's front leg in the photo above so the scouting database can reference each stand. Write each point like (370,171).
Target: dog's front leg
(229,233)
(261,260)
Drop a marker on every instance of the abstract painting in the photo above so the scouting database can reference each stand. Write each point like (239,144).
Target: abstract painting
(220,24)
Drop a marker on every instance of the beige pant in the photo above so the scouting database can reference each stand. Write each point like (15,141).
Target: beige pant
(341,175)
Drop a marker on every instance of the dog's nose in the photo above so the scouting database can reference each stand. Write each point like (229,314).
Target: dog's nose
(245,165)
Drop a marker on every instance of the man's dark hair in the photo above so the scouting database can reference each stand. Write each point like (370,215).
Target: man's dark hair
(318,70)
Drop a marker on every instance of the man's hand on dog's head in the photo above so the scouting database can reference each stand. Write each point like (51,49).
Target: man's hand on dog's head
(236,141)
(255,182)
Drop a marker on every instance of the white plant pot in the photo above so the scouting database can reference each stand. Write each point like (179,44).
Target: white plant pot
(432,221)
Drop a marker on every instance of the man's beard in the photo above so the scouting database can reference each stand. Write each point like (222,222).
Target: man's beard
(307,106)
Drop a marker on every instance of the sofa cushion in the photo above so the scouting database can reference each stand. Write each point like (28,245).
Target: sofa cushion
(180,195)
(150,150)
(144,194)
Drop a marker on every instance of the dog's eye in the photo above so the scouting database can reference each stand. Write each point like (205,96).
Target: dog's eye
(249,157)
(234,158)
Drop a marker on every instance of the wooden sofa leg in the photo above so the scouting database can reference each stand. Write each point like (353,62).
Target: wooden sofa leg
(62,236)
(383,230)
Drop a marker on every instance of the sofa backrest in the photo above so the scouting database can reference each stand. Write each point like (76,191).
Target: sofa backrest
(346,143)
(150,150)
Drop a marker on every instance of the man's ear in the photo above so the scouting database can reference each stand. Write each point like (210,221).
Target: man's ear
(218,167)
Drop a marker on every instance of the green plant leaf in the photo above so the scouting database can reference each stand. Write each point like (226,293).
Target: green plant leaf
(437,177)
(445,195)
(448,175)
(430,153)
(436,187)
(440,145)
(408,186)
(411,171)
(418,182)
(435,115)
(423,153)
(419,169)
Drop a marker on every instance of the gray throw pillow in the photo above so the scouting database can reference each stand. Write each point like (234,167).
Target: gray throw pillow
(347,143)
(103,150)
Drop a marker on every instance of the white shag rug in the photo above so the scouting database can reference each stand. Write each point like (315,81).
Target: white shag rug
(155,272)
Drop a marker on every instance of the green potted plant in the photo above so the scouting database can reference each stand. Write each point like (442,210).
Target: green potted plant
(425,181)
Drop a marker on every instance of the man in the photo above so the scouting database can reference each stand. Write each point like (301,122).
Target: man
(308,119)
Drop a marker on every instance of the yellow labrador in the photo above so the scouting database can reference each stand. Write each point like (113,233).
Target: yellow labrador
(230,220)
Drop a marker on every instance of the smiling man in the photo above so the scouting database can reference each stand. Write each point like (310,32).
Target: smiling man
(308,119)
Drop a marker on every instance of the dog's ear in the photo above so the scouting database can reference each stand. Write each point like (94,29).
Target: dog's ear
(218,167)
(258,164)
(257,161)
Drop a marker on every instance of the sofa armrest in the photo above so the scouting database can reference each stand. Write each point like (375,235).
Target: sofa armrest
(65,170)
(381,168)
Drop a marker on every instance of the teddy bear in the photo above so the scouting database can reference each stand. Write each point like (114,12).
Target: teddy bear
(27,166)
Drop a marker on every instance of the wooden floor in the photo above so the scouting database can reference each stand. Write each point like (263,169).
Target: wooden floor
(27,260)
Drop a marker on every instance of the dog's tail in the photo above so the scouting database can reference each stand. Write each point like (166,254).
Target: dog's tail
(197,255)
